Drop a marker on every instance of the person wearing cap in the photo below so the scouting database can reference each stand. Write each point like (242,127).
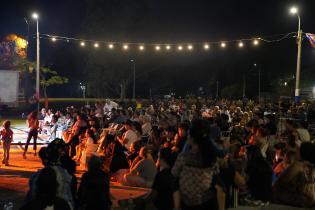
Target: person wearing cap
(129,136)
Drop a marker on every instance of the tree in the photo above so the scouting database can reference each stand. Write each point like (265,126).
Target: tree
(48,77)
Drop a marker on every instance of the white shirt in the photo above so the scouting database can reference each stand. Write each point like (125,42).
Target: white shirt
(131,136)
(303,134)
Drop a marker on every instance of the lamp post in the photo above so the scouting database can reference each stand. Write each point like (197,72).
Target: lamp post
(35,16)
(295,11)
(259,84)
(83,88)
(134,79)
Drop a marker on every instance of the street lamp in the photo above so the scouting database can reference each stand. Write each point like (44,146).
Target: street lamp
(134,79)
(35,16)
(294,11)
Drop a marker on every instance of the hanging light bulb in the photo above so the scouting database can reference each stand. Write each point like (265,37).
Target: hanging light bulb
(206,46)
(223,45)
(96,45)
(256,42)
(110,46)
(82,44)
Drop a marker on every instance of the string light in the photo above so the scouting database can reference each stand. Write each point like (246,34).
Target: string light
(256,42)
(110,46)
(125,47)
(240,43)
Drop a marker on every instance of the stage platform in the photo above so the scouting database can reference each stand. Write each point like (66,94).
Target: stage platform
(21,133)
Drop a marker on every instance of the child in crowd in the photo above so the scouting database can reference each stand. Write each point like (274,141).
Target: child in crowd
(6,135)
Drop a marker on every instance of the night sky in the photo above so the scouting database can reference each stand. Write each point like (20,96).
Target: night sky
(160,21)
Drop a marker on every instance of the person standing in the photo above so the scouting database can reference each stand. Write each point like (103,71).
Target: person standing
(6,135)
(33,124)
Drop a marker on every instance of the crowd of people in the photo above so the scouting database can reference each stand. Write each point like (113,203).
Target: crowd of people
(192,153)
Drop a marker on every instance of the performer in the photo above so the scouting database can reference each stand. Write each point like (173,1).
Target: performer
(6,135)
(33,125)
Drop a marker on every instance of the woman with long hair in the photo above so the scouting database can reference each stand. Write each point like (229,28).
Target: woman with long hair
(33,124)
(195,170)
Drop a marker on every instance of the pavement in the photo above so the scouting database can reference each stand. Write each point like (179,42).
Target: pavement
(14,183)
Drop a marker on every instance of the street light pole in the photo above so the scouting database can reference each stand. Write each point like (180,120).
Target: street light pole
(35,16)
(217,92)
(83,88)
(259,85)
(294,10)
(259,81)
(134,79)
(244,86)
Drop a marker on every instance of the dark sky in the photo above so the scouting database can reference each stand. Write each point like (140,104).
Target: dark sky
(177,21)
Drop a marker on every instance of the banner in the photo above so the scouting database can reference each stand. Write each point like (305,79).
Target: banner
(311,38)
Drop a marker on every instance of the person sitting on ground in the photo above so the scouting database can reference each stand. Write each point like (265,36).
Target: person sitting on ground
(141,172)
(46,196)
(93,193)
(133,151)
(80,147)
(296,185)
(90,147)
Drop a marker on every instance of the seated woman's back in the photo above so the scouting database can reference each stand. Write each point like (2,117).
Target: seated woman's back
(93,192)
(296,185)
(46,193)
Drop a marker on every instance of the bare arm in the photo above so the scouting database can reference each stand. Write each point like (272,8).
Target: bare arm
(238,179)
(220,198)
(176,199)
